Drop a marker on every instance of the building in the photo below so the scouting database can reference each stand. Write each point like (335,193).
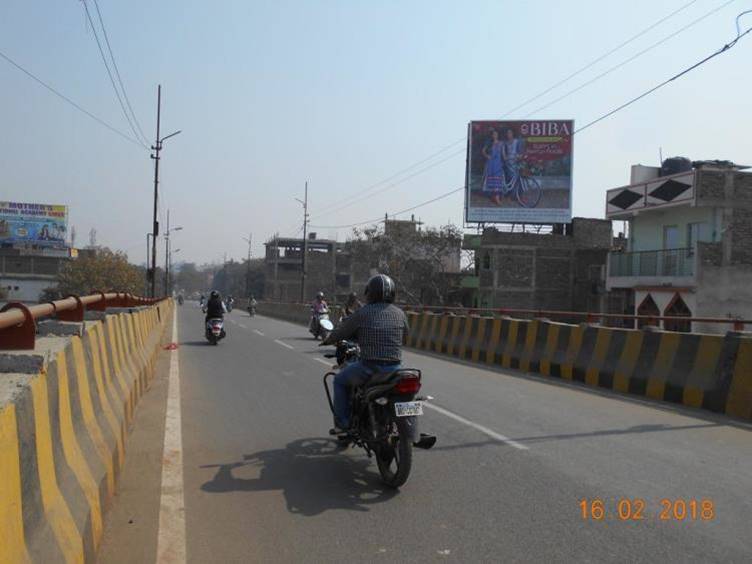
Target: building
(284,267)
(689,246)
(25,272)
(562,270)
(422,261)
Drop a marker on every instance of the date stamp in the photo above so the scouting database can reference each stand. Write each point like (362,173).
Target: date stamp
(637,509)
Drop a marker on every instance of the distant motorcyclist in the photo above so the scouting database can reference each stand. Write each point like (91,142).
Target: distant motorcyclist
(318,307)
(201,301)
(229,303)
(380,328)
(215,307)
(252,303)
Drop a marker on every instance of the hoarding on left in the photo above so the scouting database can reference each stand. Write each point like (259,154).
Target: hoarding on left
(37,224)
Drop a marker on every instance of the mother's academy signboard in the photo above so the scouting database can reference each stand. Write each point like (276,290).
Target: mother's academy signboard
(519,171)
(38,224)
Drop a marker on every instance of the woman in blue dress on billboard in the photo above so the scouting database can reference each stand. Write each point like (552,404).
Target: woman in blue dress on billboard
(493,174)
(511,152)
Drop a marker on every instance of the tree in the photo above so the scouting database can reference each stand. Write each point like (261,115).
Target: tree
(102,270)
(424,264)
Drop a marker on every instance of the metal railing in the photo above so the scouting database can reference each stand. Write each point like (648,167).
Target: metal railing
(18,321)
(666,262)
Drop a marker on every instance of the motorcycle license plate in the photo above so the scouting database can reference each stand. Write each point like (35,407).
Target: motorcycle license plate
(408,408)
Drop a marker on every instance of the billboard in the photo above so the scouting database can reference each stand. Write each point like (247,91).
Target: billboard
(519,171)
(36,224)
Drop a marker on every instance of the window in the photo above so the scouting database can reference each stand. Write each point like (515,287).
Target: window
(487,261)
(670,237)
(696,232)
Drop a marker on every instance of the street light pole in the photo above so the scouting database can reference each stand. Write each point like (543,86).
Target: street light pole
(168,258)
(155,225)
(249,240)
(305,243)
(157,147)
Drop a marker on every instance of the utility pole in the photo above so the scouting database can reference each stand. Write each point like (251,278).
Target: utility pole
(155,225)
(249,240)
(157,147)
(305,245)
(167,257)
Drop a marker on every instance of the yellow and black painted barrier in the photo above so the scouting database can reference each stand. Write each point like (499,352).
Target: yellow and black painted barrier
(713,372)
(62,436)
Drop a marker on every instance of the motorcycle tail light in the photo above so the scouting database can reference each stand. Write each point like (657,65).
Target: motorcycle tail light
(408,386)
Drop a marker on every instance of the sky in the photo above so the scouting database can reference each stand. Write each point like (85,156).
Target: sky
(343,94)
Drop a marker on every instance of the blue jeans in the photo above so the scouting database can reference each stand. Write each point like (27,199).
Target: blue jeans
(352,375)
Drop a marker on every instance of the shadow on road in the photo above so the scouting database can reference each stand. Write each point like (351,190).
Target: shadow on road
(314,474)
(194,343)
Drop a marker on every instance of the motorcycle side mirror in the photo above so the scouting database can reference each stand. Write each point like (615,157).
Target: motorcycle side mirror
(326,324)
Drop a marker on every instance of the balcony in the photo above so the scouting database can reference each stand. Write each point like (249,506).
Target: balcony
(667,267)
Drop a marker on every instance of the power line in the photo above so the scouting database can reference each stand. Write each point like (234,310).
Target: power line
(381,220)
(71,102)
(629,60)
(117,72)
(726,47)
(362,195)
(109,73)
(723,49)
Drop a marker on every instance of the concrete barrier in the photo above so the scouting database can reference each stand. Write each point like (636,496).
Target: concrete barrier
(712,372)
(62,432)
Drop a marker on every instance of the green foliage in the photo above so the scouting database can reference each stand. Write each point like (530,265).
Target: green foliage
(101,270)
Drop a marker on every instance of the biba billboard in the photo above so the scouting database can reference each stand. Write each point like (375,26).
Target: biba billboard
(519,171)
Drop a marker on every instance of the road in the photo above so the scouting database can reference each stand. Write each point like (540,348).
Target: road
(516,454)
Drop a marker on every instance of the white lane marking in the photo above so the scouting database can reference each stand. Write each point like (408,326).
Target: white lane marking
(284,344)
(322,361)
(485,430)
(233,322)
(258,332)
(171,536)
(242,326)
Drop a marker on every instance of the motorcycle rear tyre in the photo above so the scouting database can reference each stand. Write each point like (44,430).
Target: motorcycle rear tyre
(404,452)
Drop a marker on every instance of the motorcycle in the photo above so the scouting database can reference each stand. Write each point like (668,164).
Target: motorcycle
(228,305)
(321,325)
(383,421)
(180,300)
(252,310)
(215,330)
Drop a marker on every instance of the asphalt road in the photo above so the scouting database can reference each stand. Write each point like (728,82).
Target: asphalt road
(516,455)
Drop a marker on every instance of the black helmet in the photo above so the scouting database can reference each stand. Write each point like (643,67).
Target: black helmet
(214,294)
(380,288)
(320,295)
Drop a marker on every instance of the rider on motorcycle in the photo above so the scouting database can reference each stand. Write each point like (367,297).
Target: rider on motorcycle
(317,307)
(380,329)
(215,307)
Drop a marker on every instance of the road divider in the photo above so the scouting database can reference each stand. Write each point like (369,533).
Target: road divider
(712,372)
(63,424)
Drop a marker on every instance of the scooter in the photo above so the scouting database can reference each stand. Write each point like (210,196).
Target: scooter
(215,330)
(321,326)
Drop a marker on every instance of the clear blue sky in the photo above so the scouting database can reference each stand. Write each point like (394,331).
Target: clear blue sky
(344,94)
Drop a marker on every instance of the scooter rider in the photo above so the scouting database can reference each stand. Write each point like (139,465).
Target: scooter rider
(317,307)
(215,307)
(380,329)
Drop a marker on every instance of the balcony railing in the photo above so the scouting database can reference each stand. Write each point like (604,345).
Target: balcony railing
(667,262)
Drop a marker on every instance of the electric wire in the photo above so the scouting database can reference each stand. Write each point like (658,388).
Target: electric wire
(109,73)
(726,47)
(71,102)
(628,60)
(117,73)
(362,195)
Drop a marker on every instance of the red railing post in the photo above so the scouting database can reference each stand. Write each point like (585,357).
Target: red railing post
(76,314)
(99,305)
(738,325)
(21,337)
